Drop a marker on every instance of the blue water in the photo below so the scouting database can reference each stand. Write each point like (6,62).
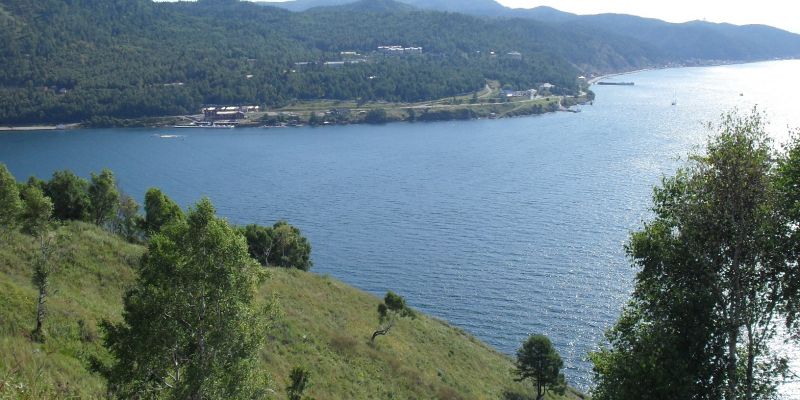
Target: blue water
(502,227)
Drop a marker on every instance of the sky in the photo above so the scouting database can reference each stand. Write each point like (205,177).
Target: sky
(784,14)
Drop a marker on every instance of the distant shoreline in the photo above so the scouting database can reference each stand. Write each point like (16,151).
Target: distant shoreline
(596,79)
(27,128)
(473,110)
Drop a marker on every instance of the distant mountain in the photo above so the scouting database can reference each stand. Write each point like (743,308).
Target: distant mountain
(697,39)
(688,42)
(373,6)
(473,7)
(541,13)
(487,7)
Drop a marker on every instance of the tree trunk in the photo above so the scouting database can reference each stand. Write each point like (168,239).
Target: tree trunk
(41,310)
(381,332)
(734,319)
(733,337)
(750,364)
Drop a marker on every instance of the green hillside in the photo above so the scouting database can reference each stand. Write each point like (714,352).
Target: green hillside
(321,324)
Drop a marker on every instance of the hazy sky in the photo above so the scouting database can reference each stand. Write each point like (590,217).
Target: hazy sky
(784,14)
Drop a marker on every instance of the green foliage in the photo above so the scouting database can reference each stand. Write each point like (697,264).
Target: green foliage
(160,211)
(702,313)
(320,324)
(70,195)
(103,196)
(376,116)
(10,203)
(77,61)
(538,361)
(788,186)
(281,245)
(392,308)
(52,250)
(38,209)
(128,222)
(299,380)
(189,329)
(259,242)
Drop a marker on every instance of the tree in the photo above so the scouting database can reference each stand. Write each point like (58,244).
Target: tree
(702,311)
(290,249)
(160,211)
(788,186)
(103,197)
(37,210)
(281,245)
(299,380)
(128,221)
(259,242)
(189,328)
(376,116)
(70,196)
(539,361)
(36,222)
(10,202)
(392,308)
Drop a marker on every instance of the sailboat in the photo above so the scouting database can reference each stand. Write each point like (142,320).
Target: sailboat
(674,100)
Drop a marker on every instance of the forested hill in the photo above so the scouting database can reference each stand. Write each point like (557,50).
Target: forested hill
(677,42)
(83,60)
(70,61)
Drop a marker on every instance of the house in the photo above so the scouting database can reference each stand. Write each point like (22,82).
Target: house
(546,86)
(530,93)
(230,113)
(395,50)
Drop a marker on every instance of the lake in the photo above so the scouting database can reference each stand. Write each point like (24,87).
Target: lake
(501,227)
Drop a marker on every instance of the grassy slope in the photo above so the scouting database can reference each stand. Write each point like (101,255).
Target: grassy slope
(325,326)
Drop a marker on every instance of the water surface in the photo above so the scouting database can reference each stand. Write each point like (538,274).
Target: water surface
(502,227)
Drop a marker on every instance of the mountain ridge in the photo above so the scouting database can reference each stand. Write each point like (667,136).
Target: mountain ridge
(677,42)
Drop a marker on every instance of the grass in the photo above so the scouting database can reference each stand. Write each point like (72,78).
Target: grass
(322,324)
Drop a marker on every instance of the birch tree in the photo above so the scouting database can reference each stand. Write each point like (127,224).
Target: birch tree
(189,329)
